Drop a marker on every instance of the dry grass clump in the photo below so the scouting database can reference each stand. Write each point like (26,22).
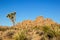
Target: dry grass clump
(21,35)
(49,33)
(1,38)
(3,28)
(8,34)
(34,33)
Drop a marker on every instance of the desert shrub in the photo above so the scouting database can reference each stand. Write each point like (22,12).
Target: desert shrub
(42,38)
(9,33)
(49,32)
(3,29)
(56,33)
(1,38)
(36,28)
(50,35)
(46,29)
(20,36)
(14,28)
(40,33)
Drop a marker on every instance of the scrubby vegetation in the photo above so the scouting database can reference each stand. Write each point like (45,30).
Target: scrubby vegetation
(20,35)
(39,29)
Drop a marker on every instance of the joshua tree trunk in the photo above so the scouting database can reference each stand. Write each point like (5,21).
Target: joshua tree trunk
(13,21)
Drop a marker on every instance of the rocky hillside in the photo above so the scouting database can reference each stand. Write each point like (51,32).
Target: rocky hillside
(39,29)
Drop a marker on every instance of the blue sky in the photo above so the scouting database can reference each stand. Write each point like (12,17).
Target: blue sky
(29,9)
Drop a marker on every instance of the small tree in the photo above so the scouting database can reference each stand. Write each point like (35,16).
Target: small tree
(12,17)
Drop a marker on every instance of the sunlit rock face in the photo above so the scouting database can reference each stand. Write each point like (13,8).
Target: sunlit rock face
(49,21)
(39,21)
(27,23)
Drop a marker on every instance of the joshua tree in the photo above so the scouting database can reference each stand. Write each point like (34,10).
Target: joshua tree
(12,17)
